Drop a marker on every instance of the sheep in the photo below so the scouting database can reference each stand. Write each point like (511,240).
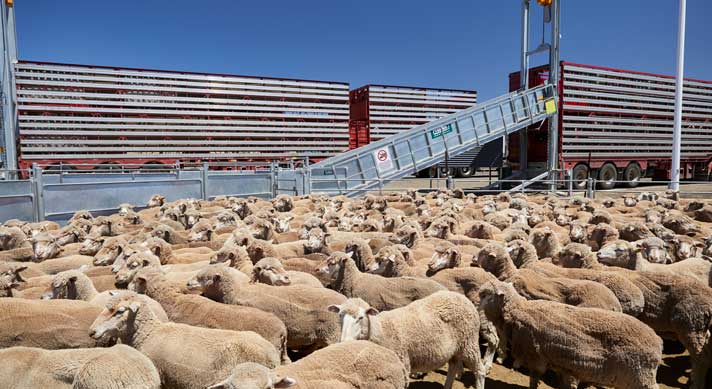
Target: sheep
(545,241)
(626,255)
(361,253)
(676,306)
(681,224)
(654,250)
(301,308)
(685,247)
(353,364)
(612,348)
(444,323)
(201,231)
(90,368)
(164,251)
(185,356)
(391,262)
(634,231)
(75,285)
(446,256)
(168,234)
(202,312)
(283,203)
(601,235)
(495,259)
(704,214)
(383,293)
(111,249)
(48,324)
(12,238)
(270,271)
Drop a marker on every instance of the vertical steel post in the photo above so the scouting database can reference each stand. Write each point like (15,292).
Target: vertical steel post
(554,65)
(9,110)
(524,85)
(679,86)
(204,181)
(39,192)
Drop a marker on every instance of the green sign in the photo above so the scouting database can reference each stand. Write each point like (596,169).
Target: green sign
(441,131)
(328,172)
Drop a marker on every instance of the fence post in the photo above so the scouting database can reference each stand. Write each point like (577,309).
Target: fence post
(570,182)
(589,187)
(273,176)
(39,192)
(204,181)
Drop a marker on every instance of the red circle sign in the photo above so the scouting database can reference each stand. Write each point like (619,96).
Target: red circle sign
(382,155)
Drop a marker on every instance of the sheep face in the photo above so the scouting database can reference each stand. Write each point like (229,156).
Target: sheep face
(125,208)
(619,253)
(630,202)
(232,255)
(545,242)
(608,203)
(133,264)
(385,262)
(63,286)
(685,247)
(208,280)
(91,245)
(574,255)
(270,271)
(391,222)
(708,247)
(241,208)
(492,258)
(482,230)
(201,232)
(356,248)
(253,376)
(577,232)
(191,218)
(635,231)
(69,235)
(494,296)
(172,214)
(116,320)
(654,250)
(240,238)
(489,207)
(156,201)
(652,216)
(109,252)
(562,220)
(44,246)
(355,319)
(316,240)
(438,229)
(225,219)
(331,266)
(102,226)
(283,203)
(10,277)
(406,235)
(164,232)
(444,257)
(519,249)
(281,223)
(11,237)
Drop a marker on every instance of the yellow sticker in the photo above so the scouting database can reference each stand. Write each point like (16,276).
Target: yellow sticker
(550,107)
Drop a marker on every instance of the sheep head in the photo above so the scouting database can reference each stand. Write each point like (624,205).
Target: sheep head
(407,234)
(494,297)
(316,240)
(654,250)
(686,247)
(201,232)
(10,277)
(495,259)
(84,215)
(440,229)
(708,247)
(619,253)
(44,246)
(158,247)
(102,226)
(156,201)
(576,255)
(63,286)
(360,251)
(208,281)
(388,262)
(125,208)
(355,315)
(283,203)
(225,219)
(281,223)
(117,319)
(253,376)
(231,254)
(578,231)
(444,257)
(635,231)
(109,252)
(191,218)
(545,241)
(331,266)
(482,230)
(133,264)
(521,252)
(270,271)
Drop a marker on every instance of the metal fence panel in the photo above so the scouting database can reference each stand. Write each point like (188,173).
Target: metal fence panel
(231,184)
(16,200)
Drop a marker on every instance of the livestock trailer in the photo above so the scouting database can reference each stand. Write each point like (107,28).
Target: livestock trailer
(378,111)
(74,115)
(617,125)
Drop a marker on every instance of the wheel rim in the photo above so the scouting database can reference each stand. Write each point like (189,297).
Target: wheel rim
(608,176)
(466,170)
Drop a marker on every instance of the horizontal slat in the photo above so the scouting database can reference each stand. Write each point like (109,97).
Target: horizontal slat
(568,83)
(192,134)
(204,122)
(635,76)
(618,111)
(568,118)
(206,148)
(595,96)
(175,75)
(121,143)
(635,104)
(256,155)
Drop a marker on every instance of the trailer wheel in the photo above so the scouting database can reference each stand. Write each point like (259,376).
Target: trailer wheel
(607,176)
(465,172)
(447,172)
(580,176)
(632,175)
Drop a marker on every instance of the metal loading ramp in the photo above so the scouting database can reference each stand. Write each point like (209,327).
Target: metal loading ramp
(370,167)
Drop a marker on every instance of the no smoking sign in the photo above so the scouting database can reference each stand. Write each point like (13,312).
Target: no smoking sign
(384,163)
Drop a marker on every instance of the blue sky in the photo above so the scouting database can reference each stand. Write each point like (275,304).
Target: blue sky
(463,44)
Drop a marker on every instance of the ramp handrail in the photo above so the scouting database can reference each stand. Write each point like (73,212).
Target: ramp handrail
(397,156)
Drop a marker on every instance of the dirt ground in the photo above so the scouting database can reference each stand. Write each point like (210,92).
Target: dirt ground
(674,373)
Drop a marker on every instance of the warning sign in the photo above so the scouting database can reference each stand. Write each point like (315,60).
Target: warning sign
(384,162)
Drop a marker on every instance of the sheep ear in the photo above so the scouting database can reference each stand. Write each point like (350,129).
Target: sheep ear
(350,254)
(216,277)
(72,279)
(285,382)
(146,262)
(371,311)
(334,308)
(113,293)
(392,258)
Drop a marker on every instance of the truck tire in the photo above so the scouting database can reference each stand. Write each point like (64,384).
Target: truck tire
(632,175)
(466,172)
(580,176)
(607,176)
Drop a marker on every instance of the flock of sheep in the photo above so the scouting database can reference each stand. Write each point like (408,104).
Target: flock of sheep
(332,292)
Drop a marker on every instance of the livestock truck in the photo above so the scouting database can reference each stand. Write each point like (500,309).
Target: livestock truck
(81,117)
(378,111)
(616,125)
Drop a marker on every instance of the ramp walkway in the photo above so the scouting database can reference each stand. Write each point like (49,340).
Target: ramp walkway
(370,167)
